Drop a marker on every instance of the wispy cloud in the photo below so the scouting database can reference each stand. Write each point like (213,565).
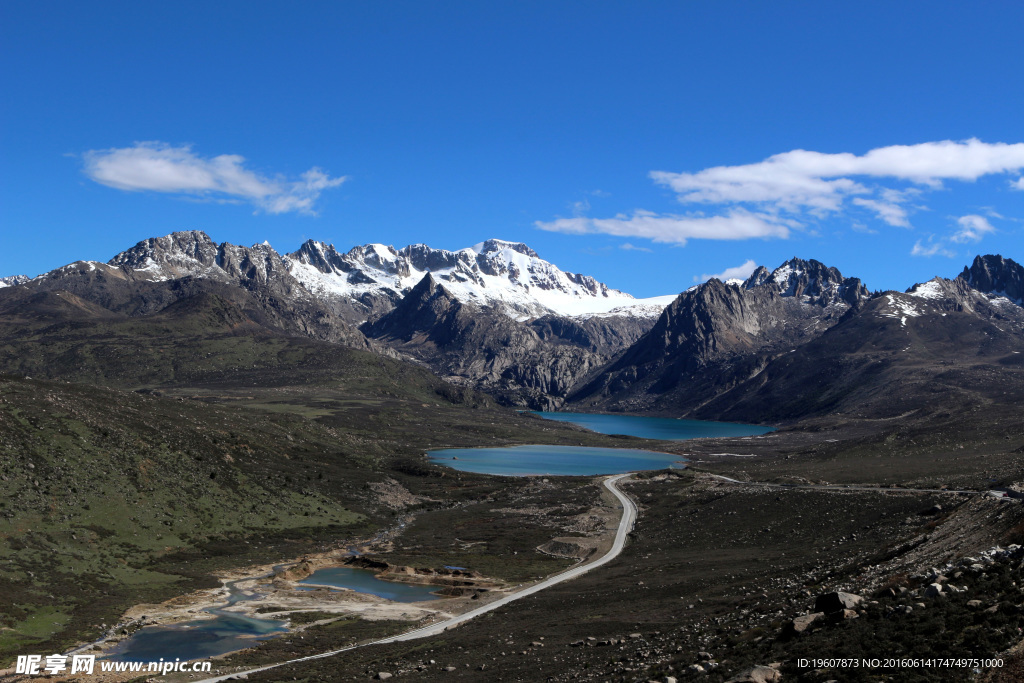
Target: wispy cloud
(971,228)
(160,167)
(889,212)
(741,272)
(673,229)
(632,247)
(794,189)
(931,249)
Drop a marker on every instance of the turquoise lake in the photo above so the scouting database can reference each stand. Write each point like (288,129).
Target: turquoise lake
(365,581)
(664,428)
(553,460)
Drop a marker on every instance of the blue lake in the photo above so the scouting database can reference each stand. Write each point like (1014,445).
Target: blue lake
(365,581)
(553,460)
(225,633)
(664,428)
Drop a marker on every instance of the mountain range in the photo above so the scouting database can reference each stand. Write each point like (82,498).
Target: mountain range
(792,343)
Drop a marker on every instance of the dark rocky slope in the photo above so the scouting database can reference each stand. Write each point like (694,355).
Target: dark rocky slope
(717,335)
(530,364)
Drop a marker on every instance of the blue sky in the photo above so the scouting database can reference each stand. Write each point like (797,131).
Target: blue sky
(647,144)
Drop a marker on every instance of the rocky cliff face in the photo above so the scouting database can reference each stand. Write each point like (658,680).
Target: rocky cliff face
(996,276)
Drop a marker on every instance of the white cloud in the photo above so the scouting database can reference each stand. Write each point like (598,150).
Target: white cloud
(972,228)
(816,183)
(741,272)
(632,247)
(790,190)
(931,249)
(893,214)
(803,178)
(673,229)
(159,167)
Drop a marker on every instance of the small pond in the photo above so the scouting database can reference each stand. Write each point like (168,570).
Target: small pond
(364,581)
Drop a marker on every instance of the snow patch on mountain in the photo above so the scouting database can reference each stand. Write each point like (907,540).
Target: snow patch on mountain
(928,290)
(900,309)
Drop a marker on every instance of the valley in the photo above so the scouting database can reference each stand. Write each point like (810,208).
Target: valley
(191,413)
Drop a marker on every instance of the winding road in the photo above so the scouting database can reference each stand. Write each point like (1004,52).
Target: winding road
(626,523)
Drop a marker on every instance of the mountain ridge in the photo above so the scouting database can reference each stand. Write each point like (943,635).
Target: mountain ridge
(743,352)
(485,316)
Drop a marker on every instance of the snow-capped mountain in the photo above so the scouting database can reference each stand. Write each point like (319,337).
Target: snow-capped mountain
(809,281)
(369,280)
(508,276)
(12,280)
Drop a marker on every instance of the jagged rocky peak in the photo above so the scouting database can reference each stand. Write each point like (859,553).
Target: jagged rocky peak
(323,257)
(177,252)
(996,276)
(811,281)
(381,256)
(258,263)
(13,280)
(420,310)
(424,258)
(192,253)
(760,276)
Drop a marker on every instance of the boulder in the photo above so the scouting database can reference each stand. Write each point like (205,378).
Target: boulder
(836,602)
(756,674)
(802,623)
(383,676)
(933,590)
